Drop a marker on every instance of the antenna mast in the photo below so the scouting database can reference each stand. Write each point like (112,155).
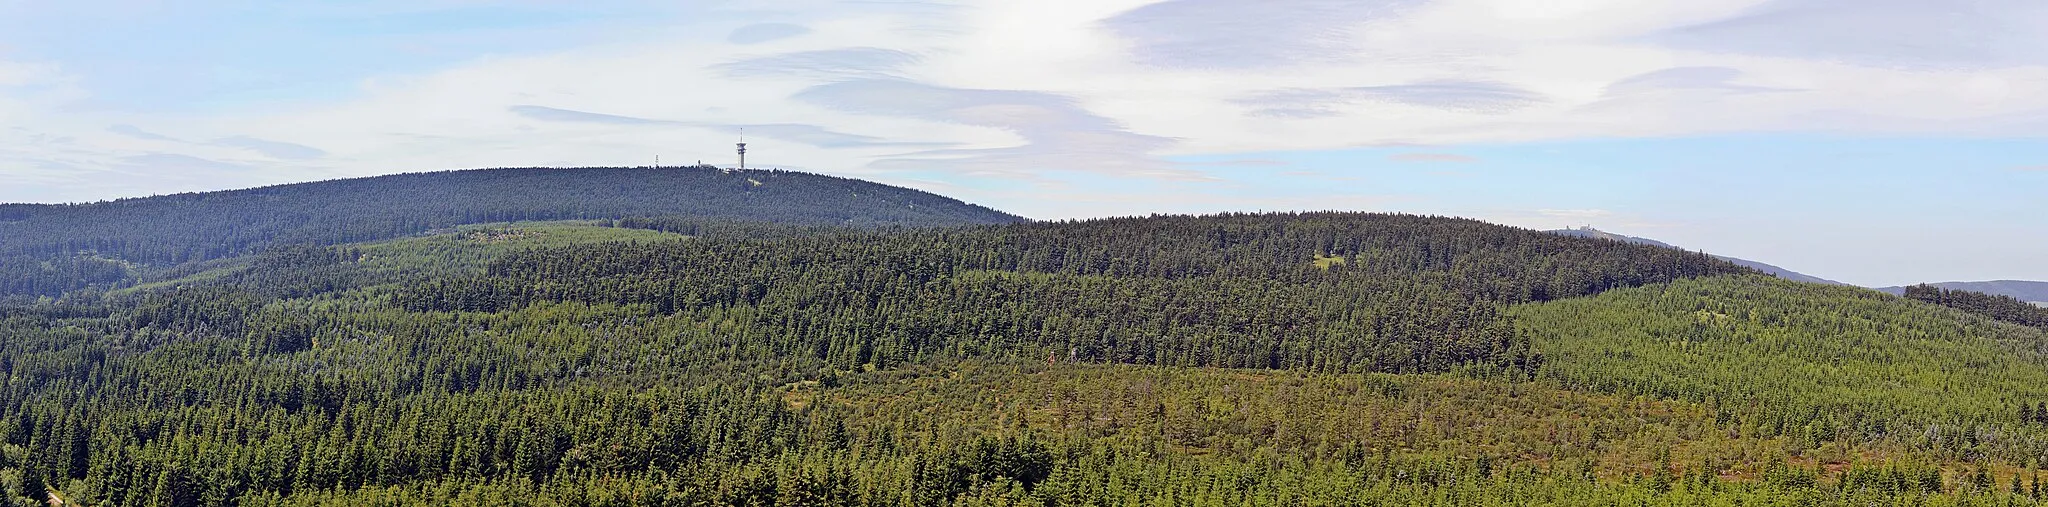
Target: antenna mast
(743,148)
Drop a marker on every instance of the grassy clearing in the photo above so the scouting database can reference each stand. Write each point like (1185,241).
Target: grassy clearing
(1326,261)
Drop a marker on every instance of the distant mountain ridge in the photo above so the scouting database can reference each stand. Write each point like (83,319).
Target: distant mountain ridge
(2034,292)
(2029,291)
(358,209)
(1589,232)
(106,242)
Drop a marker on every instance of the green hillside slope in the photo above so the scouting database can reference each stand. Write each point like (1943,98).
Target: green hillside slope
(305,270)
(1823,363)
(2000,307)
(1414,294)
(48,249)
(2018,289)
(1246,359)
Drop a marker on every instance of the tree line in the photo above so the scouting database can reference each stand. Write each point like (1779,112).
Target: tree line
(2005,308)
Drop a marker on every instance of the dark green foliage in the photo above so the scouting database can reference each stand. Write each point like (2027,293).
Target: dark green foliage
(2005,308)
(1417,293)
(292,271)
(53,275)
(573,364)
(176,229)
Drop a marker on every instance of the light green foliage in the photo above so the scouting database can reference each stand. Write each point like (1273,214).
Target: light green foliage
(1249,414)
(467,249)
(463,250)
(1159,361)
(1820,362)
(1326,261)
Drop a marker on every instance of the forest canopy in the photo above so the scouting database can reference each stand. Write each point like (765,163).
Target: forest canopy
(964,358)
(50,249)
(2005,308)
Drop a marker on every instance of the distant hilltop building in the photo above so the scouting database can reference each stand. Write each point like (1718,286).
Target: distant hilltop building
(742,150)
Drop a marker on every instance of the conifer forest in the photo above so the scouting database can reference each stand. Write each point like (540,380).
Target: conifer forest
(697,336)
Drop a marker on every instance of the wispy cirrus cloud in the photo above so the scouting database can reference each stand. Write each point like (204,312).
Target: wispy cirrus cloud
(1231,34)
(273,149)
(138,133)
(15,74)
(1706,79)
(1057,132)
(1107,87)
(1117,84)
(807,134)
(175,164)
(1884,33)
(1240,162)
(1432,157)
(1478,97)
(545,113)
(1468,97)
(765,32)
(824,65)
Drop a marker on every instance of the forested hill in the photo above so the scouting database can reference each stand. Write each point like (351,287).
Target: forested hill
(1242,359)
(2018,289)
(2000,307)
(1327,291)
(98,242)
(1589,232)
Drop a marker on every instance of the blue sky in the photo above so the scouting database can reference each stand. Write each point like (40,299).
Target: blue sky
(1875,142)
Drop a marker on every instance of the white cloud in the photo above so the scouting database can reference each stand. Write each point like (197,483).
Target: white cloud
(273,149)
(1110,87)
(139,133)
(1472,97)
(17,74)
(1952,34)
(29,90)
(765,32)
(1432,157)
(1235,35)
(824,65)
(1685,79)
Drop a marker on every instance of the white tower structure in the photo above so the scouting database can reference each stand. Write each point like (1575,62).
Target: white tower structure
(743,149)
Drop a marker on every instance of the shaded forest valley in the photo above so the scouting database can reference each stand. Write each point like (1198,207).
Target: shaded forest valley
(874,351)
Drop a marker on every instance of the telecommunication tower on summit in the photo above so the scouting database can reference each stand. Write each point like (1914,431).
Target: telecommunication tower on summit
(743,149)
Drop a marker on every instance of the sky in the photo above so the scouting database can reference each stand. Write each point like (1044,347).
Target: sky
(1875,142)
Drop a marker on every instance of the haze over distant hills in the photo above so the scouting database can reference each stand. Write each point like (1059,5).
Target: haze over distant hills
(1589,232)
(2030,291)
(2035,292)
